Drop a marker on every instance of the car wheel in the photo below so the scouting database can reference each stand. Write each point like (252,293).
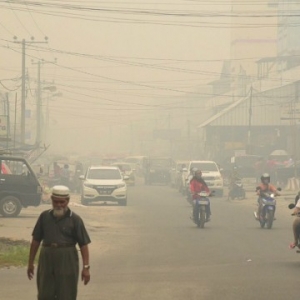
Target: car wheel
(123,202)
(10,206)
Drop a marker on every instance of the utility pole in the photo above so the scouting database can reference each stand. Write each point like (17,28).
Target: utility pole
(15,121)
(39,124)
(38,106)
(189,138)
(23,97)
(250,121)
(8,120)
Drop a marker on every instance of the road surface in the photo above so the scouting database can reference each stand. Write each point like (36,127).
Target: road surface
(151,250)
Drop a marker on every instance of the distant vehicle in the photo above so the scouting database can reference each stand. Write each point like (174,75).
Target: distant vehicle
(76,169)
(246,166)
(283,173)
(200,209)
(19,186)
(140,163)
(126,170)
(158,170)
(176,172)
(236,190)
(267,211)
(211,174)
(102,183)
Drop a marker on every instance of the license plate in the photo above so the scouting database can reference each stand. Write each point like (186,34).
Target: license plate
(270,207)
(104,192)
(203,202)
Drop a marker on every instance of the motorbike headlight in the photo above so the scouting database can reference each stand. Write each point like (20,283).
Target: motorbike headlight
(121,185)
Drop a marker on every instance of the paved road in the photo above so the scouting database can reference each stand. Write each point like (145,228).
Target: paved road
(155,252)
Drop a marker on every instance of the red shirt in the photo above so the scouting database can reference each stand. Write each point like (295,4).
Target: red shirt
(197,187)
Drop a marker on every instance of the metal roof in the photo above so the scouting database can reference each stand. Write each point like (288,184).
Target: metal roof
(221,113)
(266,109)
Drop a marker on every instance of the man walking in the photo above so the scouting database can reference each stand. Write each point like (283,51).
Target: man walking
(59,230)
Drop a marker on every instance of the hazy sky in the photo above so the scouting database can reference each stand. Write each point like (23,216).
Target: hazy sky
(117,61)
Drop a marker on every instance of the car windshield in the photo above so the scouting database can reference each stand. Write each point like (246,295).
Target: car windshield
(160,162)
(105,174)
(124,167)
(205,167)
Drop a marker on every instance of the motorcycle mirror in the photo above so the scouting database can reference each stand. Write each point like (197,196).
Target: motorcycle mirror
(291,206)
(279,189)
(257,188)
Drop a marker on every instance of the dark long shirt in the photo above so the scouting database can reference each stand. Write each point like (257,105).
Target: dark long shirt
(69,229)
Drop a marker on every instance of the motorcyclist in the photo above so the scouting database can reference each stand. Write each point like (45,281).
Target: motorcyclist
(296,223)
(234,176)
(188,179)
(192,173)
(197,185)
(264,187)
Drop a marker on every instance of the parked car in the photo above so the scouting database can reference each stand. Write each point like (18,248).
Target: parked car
(176,173)
(104,184)
(126,170)
(158,170)
(211,174)
(19,186)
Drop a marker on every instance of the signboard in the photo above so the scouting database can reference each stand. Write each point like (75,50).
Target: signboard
(290,111)
(3,126)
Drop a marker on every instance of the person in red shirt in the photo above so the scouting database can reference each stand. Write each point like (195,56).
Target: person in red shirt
(265,186)
(197,185)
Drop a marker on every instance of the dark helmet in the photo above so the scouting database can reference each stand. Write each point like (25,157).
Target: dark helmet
(265,177)
(199,173)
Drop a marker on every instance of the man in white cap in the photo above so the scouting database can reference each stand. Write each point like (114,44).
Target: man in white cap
(59,230)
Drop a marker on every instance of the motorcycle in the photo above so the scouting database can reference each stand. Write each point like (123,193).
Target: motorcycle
(200,208)
(292,206)
(267,211)
(237,190)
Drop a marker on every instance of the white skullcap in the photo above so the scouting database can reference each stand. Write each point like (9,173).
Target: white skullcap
(60,191)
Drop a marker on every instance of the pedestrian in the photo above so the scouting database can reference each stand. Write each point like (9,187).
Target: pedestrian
(65,176)
(59,230)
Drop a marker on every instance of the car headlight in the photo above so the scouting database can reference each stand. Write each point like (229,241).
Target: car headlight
(121,185)
(88,185)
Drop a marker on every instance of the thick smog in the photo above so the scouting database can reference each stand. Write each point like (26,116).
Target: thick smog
(149,150)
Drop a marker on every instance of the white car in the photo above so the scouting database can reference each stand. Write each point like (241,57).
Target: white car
(211,175)
(104,184)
